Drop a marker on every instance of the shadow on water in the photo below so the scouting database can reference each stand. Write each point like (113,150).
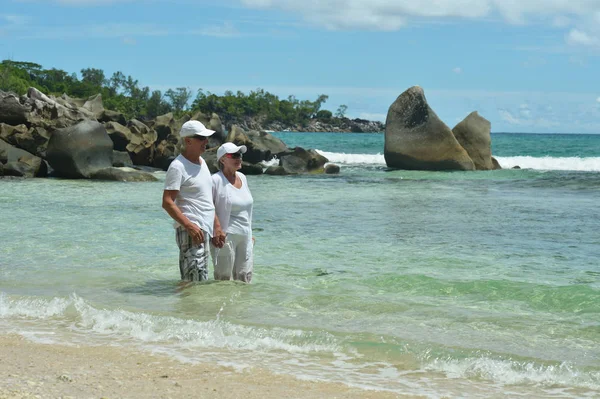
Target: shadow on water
(152,287)
(169,288)
(164,288)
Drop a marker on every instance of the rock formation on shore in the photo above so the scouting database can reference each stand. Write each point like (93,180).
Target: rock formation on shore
(415,138)
(78,138)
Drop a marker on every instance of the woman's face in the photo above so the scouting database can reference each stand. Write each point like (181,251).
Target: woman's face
(232,161)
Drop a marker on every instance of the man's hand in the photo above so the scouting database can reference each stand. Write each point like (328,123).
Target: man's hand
(196,233)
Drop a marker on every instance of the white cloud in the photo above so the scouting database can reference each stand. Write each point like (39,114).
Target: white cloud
(598,100)
(393,14)
(457,70)
(577,37)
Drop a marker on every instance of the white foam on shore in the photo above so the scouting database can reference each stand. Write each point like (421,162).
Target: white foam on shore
(591,164)
(311,355)
(353,159)
(272,162)
(148,328)
(513,372)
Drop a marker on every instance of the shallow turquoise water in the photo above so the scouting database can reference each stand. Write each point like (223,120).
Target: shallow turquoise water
(459,284)
(503,144)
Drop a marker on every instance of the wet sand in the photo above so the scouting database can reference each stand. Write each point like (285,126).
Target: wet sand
(34,370)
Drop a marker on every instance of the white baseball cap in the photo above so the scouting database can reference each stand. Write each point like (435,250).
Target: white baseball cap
(194,128)
(230,148)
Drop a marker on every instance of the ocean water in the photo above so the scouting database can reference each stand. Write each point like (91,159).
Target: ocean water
(440,284)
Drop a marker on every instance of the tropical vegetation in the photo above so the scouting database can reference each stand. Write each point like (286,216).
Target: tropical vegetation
(125,94)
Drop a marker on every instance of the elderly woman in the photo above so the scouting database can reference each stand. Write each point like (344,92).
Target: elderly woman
(232,243)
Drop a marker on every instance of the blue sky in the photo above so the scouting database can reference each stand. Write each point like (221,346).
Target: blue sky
(525,65)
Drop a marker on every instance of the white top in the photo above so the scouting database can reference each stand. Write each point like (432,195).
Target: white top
(233,205)
(194,184)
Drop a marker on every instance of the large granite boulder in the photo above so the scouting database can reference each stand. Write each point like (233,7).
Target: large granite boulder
(48,113)
(71,102)
(168,140)
(80,150)
(122,174)
(473,134)
(276,170)
(119,134)
(496,164)
(121,159)
(210,157)
(95,105)
(12,111)
(262,146)
(212,122)
(216,125)
(34,140)
(141,144)
(166,125)
(17,162)
(415,138)
(251,168)
(165,152)
(299,161)
(112,116)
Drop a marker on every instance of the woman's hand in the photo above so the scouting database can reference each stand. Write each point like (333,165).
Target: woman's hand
(219,239)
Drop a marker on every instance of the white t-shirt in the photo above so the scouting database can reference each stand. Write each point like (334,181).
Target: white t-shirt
(223,193)
(241,210)
(194,184)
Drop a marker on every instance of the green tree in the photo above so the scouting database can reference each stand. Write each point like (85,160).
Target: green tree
(116,82)
(93,76)
(156,105)
(319,101)
(179,98)
(18,76)
(324,114)
(341,111)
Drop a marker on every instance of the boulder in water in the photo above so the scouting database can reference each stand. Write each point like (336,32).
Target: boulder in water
(80,150)
(300,160)
(332,169)
(473,134)
(17,162)
(415,138)
(122,174)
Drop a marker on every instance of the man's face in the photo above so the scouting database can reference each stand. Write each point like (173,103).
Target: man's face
(198,143)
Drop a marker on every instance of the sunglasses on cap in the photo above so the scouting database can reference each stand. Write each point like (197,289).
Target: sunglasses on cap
(235,155)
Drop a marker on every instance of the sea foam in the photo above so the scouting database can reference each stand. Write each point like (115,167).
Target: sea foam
(591,164)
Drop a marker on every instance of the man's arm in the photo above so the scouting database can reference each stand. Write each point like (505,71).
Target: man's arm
(168,204)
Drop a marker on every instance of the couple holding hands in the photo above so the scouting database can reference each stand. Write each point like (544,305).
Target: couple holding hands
(215,208)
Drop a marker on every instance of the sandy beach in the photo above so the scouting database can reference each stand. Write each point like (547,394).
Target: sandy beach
(33,370)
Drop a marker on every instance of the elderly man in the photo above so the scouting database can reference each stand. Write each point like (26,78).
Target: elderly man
(187,198)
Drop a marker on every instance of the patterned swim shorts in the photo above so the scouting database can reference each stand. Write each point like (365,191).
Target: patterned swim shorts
(193,259)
